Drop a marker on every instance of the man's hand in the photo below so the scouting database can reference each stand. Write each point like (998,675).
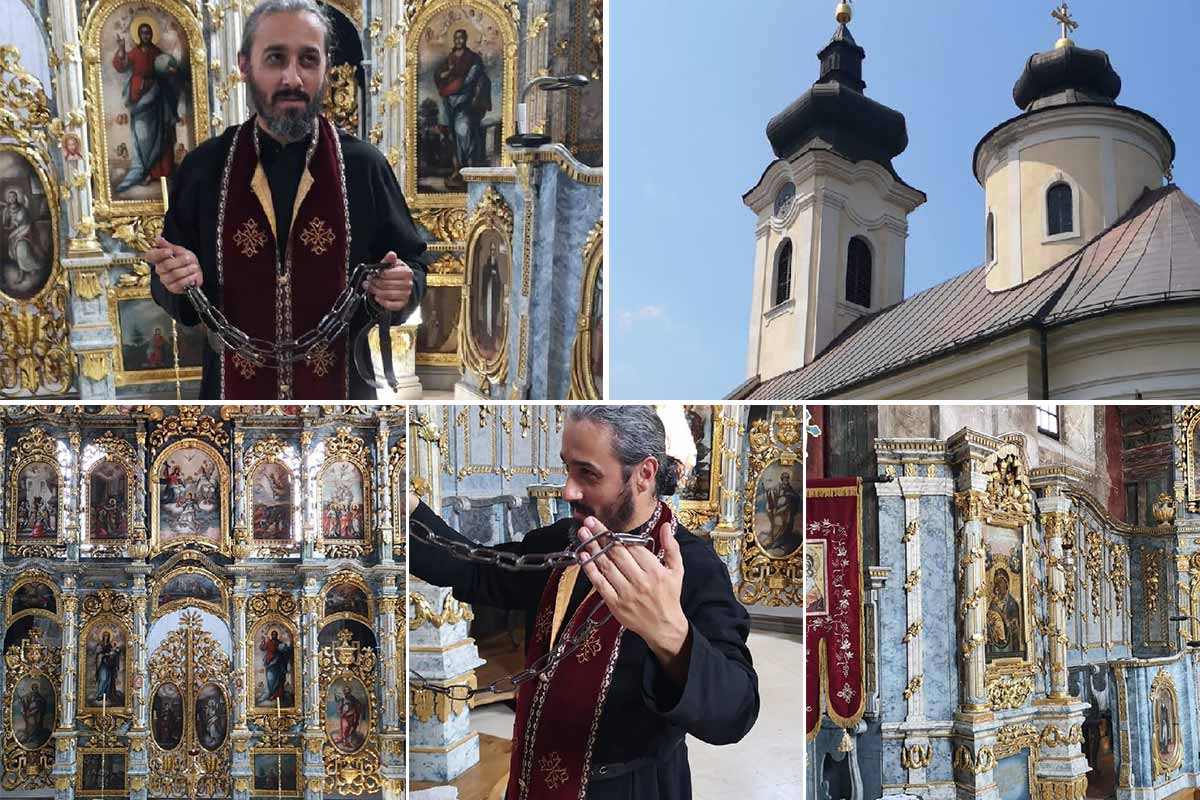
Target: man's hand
(177,267)
(643,594)
(392,287)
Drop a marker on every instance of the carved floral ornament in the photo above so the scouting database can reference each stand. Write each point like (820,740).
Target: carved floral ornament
(1007,498)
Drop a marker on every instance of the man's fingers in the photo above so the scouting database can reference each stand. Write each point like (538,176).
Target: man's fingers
(646,560)
(672,559)
(599,581)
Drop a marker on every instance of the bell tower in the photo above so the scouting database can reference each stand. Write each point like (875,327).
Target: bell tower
(832,214)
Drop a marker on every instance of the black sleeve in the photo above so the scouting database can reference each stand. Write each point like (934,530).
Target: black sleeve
(719,702)
(397,231)
(473,582)
(181,226)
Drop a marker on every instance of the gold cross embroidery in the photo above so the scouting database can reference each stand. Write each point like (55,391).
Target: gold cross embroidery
(317,236)
(553,771)
(249,238)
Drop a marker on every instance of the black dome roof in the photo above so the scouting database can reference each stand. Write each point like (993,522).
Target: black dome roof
(837,113)
(1065,76)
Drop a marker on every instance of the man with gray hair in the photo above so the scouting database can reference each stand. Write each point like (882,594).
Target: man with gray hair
(615,695)
(270,218)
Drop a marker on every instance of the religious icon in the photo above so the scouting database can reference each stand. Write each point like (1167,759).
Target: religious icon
(189,495)
(1004,572)
(189,586)
(34,711)
(273,678)
(70,148)
(166,716)
(460,69)
(104,675)
(37,501)
(777,510)
(47,628)
(346,598)
(146,346)
(491,268)
(1166,746)
(145,96)
(347,715)
(816,593)
(26,229)
(212,717)
(33,594)
(272,501)
(103,772)
(342,502)
(440,310)
(700,425)
(108,486)
(360,633)
(275,772)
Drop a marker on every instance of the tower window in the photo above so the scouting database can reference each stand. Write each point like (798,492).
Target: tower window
(783,272)
(858,273)
(991,237)
(1060,209)
(783,200)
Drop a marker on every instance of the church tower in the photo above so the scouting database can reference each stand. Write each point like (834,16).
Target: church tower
(832,214)
(1069,166)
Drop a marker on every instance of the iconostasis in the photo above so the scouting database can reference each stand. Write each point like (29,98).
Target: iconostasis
(81,162)
(202,601)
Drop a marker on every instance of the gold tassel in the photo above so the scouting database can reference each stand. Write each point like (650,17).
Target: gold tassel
(845,746)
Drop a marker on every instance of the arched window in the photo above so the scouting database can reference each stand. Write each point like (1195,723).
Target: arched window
(991,237)
(858,273)
(783,272)
(1060,213)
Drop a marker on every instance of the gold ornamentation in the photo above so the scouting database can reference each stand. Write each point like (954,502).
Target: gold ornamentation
(341,98)
(910,531)
(492,215)
(1187,444)
(190,421)
(916,756)
(26,768)
(768,579)
(978,764)
(1164,510)
(426,704)
(912,580)
(912,631)
(26,116)
(1062,788)
(106,207)
(913,687)
(250,238)
(1005,692)
(1152,559)
(157,544)
(1052,736)
(1094,567)
(318,236)
(320,360)
(583,381)
(351,773)
(452,613)
(344,447)
(112,450)
(505,16)
(36,447)
(244,366)
(347,578)
(1162,693)
(271,611)
(1118,576)
(445,224)
(184,565)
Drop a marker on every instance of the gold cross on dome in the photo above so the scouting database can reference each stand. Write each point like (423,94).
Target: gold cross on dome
(1069,25)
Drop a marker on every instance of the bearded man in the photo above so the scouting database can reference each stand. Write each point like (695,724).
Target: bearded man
(609,720)
(270,218)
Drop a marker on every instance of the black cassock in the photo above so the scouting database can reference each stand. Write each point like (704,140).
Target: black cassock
(379,221)
(639,753)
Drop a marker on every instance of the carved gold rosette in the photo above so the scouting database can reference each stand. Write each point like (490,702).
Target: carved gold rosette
(35,447)
(341,450)
(273,610)
(29,754)
(35,349)
(109,449)
(770,579)
(192,662)
(494,215)
(351,763)
(584,383)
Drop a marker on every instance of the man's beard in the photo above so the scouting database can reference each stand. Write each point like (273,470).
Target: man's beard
(618,516)
(289,125)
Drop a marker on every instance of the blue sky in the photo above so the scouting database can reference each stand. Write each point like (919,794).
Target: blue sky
(693,83)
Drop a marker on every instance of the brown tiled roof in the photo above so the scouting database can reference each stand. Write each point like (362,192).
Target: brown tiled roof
(1149,256)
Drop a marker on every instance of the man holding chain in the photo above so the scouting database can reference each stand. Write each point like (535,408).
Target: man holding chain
(270,218)
(608,717)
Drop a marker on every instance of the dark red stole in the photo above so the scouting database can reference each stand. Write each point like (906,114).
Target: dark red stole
(558,715)
(274,300)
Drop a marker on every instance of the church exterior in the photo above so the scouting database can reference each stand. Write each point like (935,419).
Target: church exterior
(1090,276)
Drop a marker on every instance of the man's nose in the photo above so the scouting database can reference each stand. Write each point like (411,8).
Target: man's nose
(291,75)
(571,492)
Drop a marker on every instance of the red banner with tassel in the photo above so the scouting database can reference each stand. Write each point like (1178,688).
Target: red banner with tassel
(833,601)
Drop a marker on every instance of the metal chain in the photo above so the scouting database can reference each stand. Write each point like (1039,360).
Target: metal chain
(265,353)
(569,643)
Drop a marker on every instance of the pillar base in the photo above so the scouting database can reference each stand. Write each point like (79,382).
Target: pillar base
(442,764)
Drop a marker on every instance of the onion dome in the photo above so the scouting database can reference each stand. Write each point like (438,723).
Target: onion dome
(835,114)
(1067,75)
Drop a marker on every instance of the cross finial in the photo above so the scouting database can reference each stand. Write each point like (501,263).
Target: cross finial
(1069,25)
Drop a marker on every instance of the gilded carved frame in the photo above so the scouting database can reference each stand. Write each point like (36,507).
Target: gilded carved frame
(32,576)
(139,289)
(106,607)
(38,163)
(1187,442)
(768,579)
(695,513)
(344,447)
(505,14)
(156,545)
(149,211)
(1162,763)
(270,451)
(583,381)
(36,446)
(114,450)
(492,214)
(221,611)
(25,767)
(278,752)
(272,608)
(355,772)
(355,580)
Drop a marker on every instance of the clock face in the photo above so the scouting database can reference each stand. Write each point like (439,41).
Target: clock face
(784,198)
